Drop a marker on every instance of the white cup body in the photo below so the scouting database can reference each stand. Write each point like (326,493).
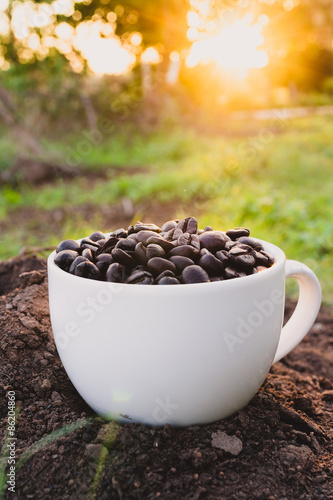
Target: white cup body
(178,354)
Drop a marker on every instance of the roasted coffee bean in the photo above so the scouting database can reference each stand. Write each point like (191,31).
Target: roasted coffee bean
(194,274)
(168,235)
(240,249)
(132,237)
(123,258)
(108,246)
(68,245)
(144,236)
(223,256)
(88,270)
(188,225)
(264,258)
(231,273)
(251,242)
(238,232)
(115,273)
(213,240)
(181,262)
(126,244)
(97,235)
(140,253)
(158,240)
(243,261)
(119,233)
(140,226)
(64,259)
(204,251)
(88,243)
(157,265)
(140,278)
(87,253)
(184,251)
(154,251)
(75,262)
(103,261)
(211,265)
(168,280)
(215,278)
(230,244)
(102,242)
(207,228)
(167,226)
(164,274)
(190,239)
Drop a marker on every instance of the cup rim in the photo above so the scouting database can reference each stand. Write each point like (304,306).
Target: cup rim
(278,254)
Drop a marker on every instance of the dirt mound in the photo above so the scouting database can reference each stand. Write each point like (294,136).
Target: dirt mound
(280,446)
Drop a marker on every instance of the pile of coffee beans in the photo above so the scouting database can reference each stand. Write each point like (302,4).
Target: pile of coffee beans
(176,253)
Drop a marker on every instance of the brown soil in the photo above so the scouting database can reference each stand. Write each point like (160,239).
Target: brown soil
(284,448)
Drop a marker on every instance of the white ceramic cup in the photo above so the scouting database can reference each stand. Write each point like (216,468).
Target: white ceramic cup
(184,354)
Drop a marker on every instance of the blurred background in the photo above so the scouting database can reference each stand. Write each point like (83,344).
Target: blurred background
(118,111)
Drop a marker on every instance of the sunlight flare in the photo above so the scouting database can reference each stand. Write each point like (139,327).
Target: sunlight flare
(235,47)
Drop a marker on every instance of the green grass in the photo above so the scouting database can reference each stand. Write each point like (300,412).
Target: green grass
(277,181)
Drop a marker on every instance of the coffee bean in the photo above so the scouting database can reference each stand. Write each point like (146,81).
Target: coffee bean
(88,270)
(213,240)
(157,265)
(115,273)
(126,244)
(181,262)
(243,261)
(207,228)
(189,239)
(165,244)
(119,233)
(238,232)
(87,253)
(108,246)
(211,265)
(168,235)
(265,259)
(64,259)
(251,242)
(123,258)
(97,235)
(231,272)
(144,236)
(140,278)
(240,249)
(223,256)
(168,280)
(88,243)
(165,273)
(140,253)
(194,274)
(68,245)
(188,225)
(184,251)
(167,226)
(75,262)
(103,261)
(230,244)
(154,250)
(140,226)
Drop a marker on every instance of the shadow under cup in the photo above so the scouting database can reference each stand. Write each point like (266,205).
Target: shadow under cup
(183,355)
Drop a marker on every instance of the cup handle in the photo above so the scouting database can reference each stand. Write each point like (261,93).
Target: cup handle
(306,311)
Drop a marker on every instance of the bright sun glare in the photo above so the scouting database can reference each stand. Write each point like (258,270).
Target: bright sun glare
(234,48)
